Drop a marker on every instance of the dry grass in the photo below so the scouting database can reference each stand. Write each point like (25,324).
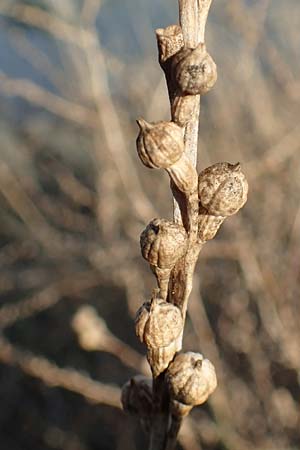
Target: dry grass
(73,201)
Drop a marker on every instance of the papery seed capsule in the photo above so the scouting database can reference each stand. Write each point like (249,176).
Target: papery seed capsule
(208,225)
(162,277)
(159,145)
(183,109)
(160,358)
(184,175)
(223,189)
(194,70)
(158,323)
(191,378)
(136,399)
(163,243)
(169,40)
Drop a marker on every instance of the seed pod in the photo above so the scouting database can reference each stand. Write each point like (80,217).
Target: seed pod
(169,40)
(223,189)
(136,399)
(184,175)
(160,358)
(194,70)
(159,145)
(191,378)
(163,243)
(208,225)
(158,323)
(183,109)
(162,277)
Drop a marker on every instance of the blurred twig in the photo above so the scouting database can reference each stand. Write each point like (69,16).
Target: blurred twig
(48,297)
(45,99)
(37,17)
(54,376)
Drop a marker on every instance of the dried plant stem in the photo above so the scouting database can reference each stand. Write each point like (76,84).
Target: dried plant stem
(52,375)
(192,16)
(201,204)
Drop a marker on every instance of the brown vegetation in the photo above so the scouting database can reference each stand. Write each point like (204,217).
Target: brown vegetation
(74,199)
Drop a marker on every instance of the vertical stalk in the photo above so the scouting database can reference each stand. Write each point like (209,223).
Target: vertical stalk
(192,18)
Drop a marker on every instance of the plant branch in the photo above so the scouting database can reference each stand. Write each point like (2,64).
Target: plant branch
(192,16)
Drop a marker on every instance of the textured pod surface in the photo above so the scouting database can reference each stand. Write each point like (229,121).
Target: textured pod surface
(183,109)
(194,70)
(160,358)
(184,175)
(159,145)
(162,277)
(223,189)
(191,378)
(158,323)
(169,40)
(163,243)
(136,399)
(208,226)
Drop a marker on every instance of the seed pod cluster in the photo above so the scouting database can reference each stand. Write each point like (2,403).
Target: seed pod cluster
(191,378)
(161,146)
(204,202)
(194,70)
(222,190)
(159,325)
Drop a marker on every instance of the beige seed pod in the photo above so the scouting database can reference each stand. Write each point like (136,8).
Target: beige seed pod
(184,175)
(158,323)
(159,145)
(163,243)
(191,378)
(208,225)
(136,399)
(223,189)
(162,277)
(194,70)
(160,358)
(169,40)
(183,109)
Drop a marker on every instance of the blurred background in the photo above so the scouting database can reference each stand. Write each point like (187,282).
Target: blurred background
(74,75)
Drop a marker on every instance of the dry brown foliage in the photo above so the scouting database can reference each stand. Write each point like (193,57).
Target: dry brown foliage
(74,200)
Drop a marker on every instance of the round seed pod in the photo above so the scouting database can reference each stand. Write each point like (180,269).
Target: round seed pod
(158,323)
(136,399)
(163,243)
(159,145)
(191,378)
(194,70)
(223,189)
